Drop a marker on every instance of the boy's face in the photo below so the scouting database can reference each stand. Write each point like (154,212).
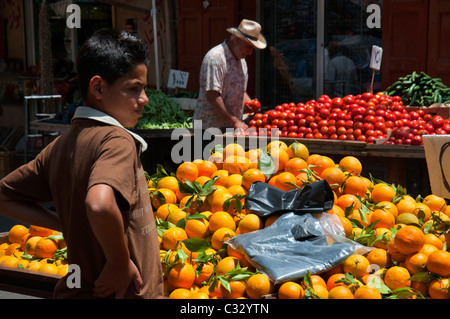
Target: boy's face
(125,98)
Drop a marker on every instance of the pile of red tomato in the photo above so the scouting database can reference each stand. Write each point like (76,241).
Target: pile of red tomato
(363,117)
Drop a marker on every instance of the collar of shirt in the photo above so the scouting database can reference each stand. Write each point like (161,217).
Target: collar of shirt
(96,115)
(227,51)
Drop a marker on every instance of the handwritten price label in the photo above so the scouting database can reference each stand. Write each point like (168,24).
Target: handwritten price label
(178,79)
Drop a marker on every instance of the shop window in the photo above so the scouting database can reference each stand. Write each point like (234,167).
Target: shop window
(300,35)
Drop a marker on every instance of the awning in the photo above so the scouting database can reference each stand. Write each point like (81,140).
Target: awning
(137,5)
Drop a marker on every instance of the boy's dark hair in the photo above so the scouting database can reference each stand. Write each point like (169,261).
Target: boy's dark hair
(111,54)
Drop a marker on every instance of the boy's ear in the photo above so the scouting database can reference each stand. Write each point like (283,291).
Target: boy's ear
(96,87)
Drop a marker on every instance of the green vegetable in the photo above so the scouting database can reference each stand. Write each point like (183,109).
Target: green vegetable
(162,112)
(419,89)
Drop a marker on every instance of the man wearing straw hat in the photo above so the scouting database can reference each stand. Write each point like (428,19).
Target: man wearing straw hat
(224,78)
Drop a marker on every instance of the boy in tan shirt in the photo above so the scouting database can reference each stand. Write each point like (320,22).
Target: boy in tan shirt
(94,177)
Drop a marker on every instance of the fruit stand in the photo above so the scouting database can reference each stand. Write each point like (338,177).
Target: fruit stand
(372,197)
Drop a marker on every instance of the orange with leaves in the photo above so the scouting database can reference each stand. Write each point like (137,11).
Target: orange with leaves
(348,200)
(423,211)
(45,248)
(416,263)
(30,245)
(172,237)
(222,174)
(382,192)
(236,164)
(299,150)
(346,224)
(286,181)
(197,228)
(181,293)
(295,164)
(367,292)
(204,274)
(351,164)
(435,203)
(383,218)
(409,239)
(217,159)
(163,196)
(169,182)
(291,290)
(340,292)
(250,222)
(253,157)
(226,265)
(205,168)
(389,206)
(334,176)
(40,231)
(406,205)
(258,285)
(357,265)
(232,180)
(237,290)
(16,233)
(379,257)
(355,185)
(181,275)
(319,163)
(220,236)
(434,240)
(221,219)
(233,149)
(187,171)
(397,277)
(251,176)
(438,262)
(439,288)
(280,158)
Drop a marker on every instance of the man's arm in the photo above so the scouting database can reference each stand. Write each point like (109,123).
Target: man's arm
(28,213)
(218,104)
(106,222)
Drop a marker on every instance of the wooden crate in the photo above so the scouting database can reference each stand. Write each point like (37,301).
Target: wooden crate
(435,109)
(25,281)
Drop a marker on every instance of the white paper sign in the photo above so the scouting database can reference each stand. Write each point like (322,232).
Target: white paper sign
(375,60)
(178,79)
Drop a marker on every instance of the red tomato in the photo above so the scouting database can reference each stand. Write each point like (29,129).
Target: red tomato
(293,128)
(272,115)
(367,96)
(437,121)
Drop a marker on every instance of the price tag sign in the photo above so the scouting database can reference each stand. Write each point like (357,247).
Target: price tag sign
(178,79)
(375,60)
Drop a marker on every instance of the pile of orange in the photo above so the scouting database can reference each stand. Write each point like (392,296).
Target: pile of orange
(35,248)
(409,257)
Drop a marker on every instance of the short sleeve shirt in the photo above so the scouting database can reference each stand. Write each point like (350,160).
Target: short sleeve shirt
(223,73)
(96,150)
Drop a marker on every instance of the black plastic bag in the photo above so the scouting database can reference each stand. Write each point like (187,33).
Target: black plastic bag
(264,199)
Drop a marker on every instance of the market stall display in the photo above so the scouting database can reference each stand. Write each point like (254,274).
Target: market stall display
(366,117)
(162,112)
(202,213)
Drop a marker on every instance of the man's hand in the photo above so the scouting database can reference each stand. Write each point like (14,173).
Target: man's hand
(109,282)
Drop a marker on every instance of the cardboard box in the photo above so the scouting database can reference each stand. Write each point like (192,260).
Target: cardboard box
(437,154)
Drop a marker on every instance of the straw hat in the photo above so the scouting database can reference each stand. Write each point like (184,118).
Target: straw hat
(251,31)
